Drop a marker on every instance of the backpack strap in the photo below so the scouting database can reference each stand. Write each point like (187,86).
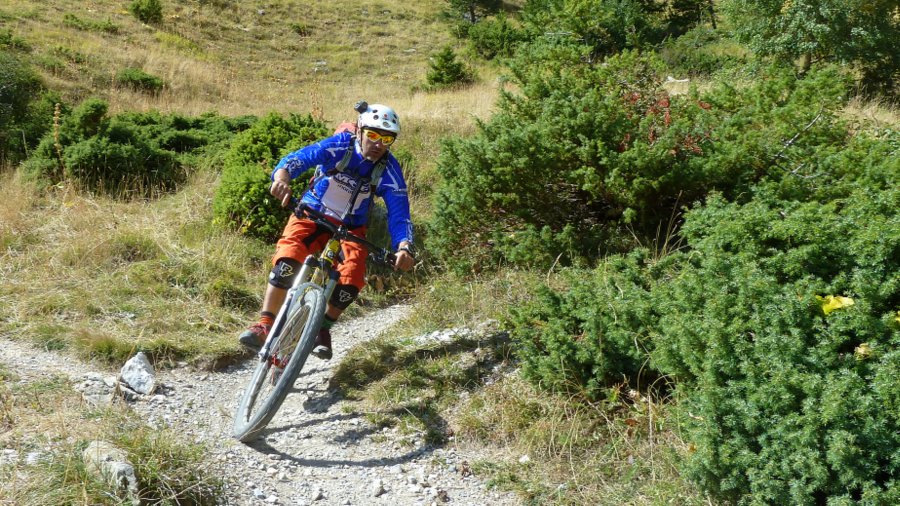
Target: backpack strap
(339,167)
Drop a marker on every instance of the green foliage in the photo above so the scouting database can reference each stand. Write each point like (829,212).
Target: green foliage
(471,10)
(592,335)
(860,31)
(10,41)
(139,80)
(20,88)
(783,402)
(147,11)
(699,52)
(446,71)
(604,143)
(493,37)
(788,404)
(242,199)
(90,25)
(128,154)
(603,27)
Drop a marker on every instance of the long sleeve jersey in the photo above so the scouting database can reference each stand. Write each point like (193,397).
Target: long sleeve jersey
(331,193)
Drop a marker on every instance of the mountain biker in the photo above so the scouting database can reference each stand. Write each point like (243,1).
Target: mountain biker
(330,192)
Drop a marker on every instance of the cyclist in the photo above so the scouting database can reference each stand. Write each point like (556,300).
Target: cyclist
(344,160)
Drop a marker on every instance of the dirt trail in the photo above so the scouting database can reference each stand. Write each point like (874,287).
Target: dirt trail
(317,450)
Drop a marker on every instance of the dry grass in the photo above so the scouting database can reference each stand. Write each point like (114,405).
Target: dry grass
(243,58)
(119,276)
(564,451)
(45,418)
(873,114)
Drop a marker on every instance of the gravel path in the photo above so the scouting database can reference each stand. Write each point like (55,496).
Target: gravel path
(318,450)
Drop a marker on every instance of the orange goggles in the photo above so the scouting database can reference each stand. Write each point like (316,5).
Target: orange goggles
(374,136)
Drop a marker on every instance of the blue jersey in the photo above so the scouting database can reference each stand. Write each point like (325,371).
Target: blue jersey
(331,194)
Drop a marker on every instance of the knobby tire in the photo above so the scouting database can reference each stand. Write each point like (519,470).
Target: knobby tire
(293,345)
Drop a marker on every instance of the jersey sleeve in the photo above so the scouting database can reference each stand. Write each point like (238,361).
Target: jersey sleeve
(327,152)
(392,188)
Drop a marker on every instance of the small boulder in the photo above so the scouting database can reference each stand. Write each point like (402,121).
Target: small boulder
(103,459)
(138,374)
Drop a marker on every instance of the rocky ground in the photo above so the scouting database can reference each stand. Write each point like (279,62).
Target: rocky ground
(318,450)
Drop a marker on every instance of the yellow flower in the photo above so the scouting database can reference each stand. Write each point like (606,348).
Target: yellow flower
(832,302)
(863,351)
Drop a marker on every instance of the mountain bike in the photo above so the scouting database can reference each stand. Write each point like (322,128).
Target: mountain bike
(296,326)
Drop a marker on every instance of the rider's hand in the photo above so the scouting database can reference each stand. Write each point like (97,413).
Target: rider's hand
(405,260)
(281,187)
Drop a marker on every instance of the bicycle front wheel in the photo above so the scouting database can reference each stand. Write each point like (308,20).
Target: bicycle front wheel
(275,374)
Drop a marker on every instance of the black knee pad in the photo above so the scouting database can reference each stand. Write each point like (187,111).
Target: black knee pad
(343,296)
(284,272)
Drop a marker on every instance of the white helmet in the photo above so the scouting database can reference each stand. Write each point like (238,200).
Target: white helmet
(378,116)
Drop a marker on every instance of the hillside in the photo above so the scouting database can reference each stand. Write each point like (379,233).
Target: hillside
(657,258)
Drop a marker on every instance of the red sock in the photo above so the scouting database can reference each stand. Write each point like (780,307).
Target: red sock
(266,318)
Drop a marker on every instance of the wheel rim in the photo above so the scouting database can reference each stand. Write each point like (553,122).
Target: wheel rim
(279,356)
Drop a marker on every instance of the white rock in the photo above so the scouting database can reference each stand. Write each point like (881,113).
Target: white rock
(138,374)
(377,487)
(524,459)
(111,464)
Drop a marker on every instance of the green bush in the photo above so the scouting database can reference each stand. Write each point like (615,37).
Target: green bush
(148,11)
(592,335)
(493,37)
(787,397)
(20,88)
(128,154)
(90,25)
(605,144)
(139,80)
(445,71)
(698,53)
(788,404)
(242,199)
(12,42)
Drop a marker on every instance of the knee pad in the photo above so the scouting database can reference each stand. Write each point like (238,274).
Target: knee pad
(284,272)
(343,296)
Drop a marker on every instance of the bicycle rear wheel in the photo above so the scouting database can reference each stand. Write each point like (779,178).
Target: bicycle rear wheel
(275,374)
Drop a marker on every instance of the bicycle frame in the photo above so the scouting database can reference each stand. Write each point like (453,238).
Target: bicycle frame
(321,269)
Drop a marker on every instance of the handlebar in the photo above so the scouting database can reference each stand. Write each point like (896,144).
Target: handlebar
(377,254)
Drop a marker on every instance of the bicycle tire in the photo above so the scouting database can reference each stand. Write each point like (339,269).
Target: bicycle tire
(296,339)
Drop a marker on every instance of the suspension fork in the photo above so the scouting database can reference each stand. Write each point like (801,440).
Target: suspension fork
(306,272)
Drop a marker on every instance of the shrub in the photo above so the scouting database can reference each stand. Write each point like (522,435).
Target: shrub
(698,52)
(446,71)
(139,80)
(20,86)
(493,37)
(147,11)
(583,152)
(130,153)
(10,41)
(778,328)
(592,335)
(242,199)
(90,25)
(789,403)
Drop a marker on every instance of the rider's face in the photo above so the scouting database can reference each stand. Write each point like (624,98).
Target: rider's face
(374,149)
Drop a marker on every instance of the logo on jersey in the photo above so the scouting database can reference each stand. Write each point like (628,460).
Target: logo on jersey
(348,183)
(394,185)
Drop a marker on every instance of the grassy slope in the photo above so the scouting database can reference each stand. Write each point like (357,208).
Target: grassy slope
(155,274)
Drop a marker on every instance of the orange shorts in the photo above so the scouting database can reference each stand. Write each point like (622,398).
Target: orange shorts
(301,237)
